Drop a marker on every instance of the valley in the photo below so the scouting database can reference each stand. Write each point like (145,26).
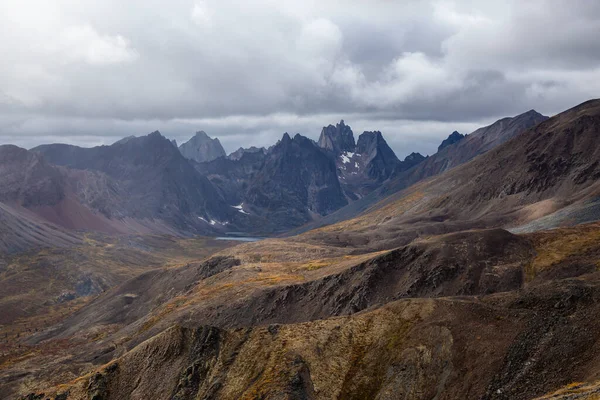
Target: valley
(472,273)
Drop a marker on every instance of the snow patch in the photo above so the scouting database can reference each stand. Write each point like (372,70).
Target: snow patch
(213,222)
(346,156)
(240,208)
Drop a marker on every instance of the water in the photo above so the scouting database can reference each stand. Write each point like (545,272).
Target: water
(239,238)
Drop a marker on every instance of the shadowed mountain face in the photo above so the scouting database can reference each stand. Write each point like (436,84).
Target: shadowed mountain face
(150,180)
(145,184)
(202,148)
(297,180)
(380,160)
(233,176)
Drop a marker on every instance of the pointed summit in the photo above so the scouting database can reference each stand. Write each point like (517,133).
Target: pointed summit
(337,139)
(202,148)
(454,137)
(381,158)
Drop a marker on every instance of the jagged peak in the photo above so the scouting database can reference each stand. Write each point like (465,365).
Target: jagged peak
(454,137)
(531,113)
(338,138)
(414,156)
(377,135)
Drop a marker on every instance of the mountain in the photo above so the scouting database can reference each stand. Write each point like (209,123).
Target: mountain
(146,180)
(202,148)
(236,155)
(364,165)
(543,178)
(297,182)
(473,145)
(454,137)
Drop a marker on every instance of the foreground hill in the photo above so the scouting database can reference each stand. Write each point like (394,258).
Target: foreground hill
(480,314)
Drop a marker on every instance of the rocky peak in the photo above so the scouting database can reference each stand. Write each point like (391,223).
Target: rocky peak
(202,148)
(414,158)
(369,141)
(454,137)
(239,153)
(337,139)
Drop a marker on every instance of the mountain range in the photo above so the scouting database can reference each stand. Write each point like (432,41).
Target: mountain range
(146,184)
(471,273)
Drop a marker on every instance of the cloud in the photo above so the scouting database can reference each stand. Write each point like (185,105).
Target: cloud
(83,44)
(103,69)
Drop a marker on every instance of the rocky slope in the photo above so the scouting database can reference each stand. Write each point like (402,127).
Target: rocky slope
(202,147)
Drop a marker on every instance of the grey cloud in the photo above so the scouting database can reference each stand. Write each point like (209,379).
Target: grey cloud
(92,71)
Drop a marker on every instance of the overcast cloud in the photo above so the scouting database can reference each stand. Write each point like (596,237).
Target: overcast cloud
(89,72)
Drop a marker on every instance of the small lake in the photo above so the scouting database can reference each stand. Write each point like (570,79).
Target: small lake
(239,238)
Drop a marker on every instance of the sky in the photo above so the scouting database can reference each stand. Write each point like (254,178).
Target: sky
(89,72)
